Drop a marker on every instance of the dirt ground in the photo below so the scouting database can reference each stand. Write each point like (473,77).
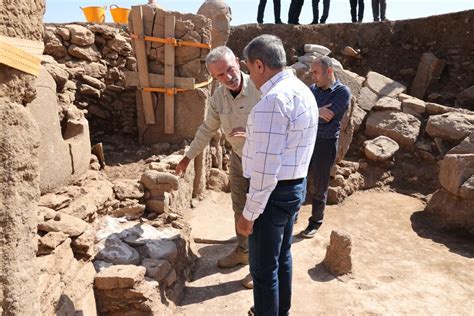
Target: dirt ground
(401,265)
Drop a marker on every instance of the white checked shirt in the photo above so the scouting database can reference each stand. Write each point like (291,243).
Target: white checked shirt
(281,132)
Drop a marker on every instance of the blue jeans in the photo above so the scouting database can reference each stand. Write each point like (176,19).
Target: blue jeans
(270,249)
(323,158)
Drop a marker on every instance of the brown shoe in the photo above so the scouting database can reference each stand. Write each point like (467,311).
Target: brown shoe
(248,281)
(236,257)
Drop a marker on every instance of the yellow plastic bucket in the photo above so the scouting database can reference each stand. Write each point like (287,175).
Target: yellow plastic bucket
(120,15)
(94,14)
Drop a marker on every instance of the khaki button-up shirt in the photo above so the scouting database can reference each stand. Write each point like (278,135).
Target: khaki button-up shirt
(226,112)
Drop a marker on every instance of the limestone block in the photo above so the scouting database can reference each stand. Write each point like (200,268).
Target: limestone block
(65,223)
(89,53)
(456,175)
(465,147)
(49,242)
(387,103)
(119,277)
(80,35)
(128,189)
(380,148)
(218,180)
(314,48)
(429,71)
(367,99)
(159,182)
(452,211)
(383,86)
(130,209)
(93,197)
(54,201)
(401,127)
(450,126)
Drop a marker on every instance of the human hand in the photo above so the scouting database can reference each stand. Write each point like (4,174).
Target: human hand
(325,113)
(238,132)
(244,227)
(182,166)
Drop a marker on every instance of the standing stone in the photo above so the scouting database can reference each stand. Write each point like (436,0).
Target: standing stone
(221,15)
(429,71)
(338,254)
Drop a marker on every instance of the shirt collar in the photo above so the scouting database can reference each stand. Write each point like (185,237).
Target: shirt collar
(334,85)
(245,87)
(267,86)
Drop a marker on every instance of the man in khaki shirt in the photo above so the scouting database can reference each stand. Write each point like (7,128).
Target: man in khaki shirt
(229,108)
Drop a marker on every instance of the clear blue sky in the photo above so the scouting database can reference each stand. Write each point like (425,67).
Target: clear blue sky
(245,11)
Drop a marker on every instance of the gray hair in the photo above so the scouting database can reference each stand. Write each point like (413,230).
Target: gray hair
(219,53)
(324,61)
(269,49)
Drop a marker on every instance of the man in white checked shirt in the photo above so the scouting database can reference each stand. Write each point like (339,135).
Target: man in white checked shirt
(281,133)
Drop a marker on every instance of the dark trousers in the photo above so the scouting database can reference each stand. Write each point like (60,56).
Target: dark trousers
(323,158)
(324,17)
(379,6)
(276,10)
(270,250)
(357,17)
(295,11)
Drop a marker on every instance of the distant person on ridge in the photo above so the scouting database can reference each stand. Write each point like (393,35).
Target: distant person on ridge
(379,6)
(357,16)
(276,11)
(297,5)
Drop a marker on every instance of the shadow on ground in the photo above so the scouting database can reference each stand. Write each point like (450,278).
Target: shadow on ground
(320,274)
(425,227)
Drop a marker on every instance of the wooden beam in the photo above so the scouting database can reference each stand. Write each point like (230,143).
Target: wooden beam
(169,74)
(140,52)
(158,81)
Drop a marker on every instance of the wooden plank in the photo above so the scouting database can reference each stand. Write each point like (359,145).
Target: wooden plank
(158,81)
(137,20)
(29,46)
(169,75)
(19,59)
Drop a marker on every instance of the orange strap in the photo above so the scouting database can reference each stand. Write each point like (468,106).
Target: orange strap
(170,41)
(172,91)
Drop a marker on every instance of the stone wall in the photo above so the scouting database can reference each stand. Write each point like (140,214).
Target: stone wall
(94,57)
(19,167)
